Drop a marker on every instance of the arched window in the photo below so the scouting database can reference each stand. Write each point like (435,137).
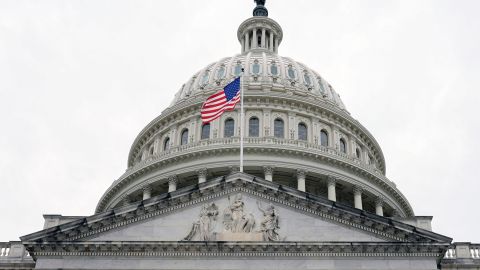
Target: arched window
(343,146)
(256,67)
(278,128)
(205,77)
(274,69)
(302,132)
(166,144)
(205,132)
(324,138)
(357,153)
(307,79)
(238,69)
(221,72)
(229,129)
(184,138)
(291,72)
(253,127)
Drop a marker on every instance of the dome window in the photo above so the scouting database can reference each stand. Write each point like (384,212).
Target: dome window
(343,146)
(307,79)
(229,129)
(256,67)
(253,127)
(221,72)
(205,132)
(358,153)
(278,128)
(238,69)
(166,144)
(321,88)
(302,132)
(205,78)
(184,137)
(324,138)
(291,72)
(274,69)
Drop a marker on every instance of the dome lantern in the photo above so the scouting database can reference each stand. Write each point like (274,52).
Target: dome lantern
(260,32)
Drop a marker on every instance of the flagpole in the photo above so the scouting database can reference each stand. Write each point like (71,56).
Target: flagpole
(242,115)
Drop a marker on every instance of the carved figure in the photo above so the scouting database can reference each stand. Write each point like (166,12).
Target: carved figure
(269,225)
(234,218)
(205,224)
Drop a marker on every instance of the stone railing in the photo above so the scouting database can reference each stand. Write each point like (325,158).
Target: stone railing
(13,255)
(463,251)
(263,141)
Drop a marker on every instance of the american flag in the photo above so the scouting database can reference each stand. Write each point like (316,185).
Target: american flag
(223,100)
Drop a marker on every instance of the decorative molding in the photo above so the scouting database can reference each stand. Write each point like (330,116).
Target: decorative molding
(237,249)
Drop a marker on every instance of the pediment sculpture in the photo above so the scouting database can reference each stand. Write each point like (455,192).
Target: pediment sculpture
(237,223)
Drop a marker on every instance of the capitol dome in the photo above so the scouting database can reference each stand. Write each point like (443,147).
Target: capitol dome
(298,134)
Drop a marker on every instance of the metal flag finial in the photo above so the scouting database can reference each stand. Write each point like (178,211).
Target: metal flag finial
(260,9)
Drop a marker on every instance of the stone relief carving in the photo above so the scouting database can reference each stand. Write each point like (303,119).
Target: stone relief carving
(238,225)
(234,217)
(203,227)
(269,225)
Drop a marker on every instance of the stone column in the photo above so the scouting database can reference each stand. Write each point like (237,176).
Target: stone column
(276,45)
(379,206)
(202,175)
(264,38)
(243,44)
(301,180)
(254,39)
(172,183)
(271,42)
(147,192)
(357,197)
(268,170)
(247,41)
(332,193)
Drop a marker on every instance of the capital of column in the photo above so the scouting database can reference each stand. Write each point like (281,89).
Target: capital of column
(301,173)
(172,179)
(202,172)
(147,188)
(379,201)
(332,181)
(357,190)
(268,169)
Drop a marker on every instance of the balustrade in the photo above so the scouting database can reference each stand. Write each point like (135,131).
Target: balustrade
(463,251)
(4,249)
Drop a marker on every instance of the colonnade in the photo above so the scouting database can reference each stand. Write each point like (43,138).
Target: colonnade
(268,40)
(268,173)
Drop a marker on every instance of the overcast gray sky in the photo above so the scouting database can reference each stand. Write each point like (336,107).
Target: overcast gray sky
(80,79)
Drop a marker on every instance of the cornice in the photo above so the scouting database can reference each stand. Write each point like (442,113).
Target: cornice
(236,249)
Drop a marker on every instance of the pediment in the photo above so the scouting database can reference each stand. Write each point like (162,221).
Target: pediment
(237,216)
(206,212)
